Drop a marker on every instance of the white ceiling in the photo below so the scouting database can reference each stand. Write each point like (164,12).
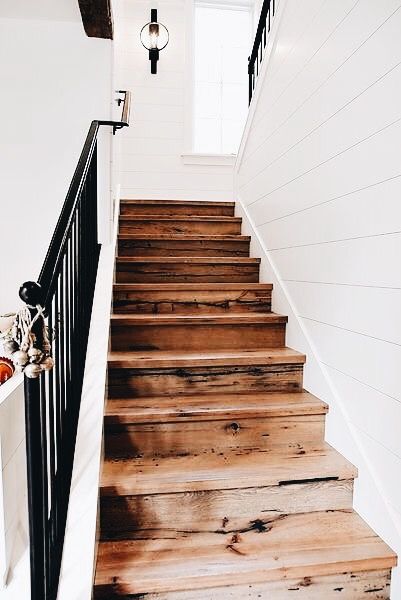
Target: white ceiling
(52,10)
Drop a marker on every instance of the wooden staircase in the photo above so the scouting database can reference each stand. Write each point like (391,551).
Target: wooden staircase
(217,483)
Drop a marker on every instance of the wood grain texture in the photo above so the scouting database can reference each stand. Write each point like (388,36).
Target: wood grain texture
(221,511)
(183,245)
(166,409)
(176,207)
(197,332)
(217,482)
(131,382)
(294,547)
(260,357)
(97,18)
(184,269)
(190,437)
(361,585)
(212,298)
(204,225)
(221,470)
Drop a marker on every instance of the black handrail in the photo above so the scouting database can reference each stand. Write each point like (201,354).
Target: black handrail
(64,290)
(262,31)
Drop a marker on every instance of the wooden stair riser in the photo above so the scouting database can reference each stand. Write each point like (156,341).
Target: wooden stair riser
(278,434)
(134,382)
(227,511)
(186,272)
(185,247)
(364,585)
(178,301)
(223,209)
(174,226)
(192,337)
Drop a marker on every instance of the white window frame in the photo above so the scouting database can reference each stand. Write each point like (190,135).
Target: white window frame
(189,156)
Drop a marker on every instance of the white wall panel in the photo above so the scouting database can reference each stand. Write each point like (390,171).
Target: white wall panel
(319,177)
(363,310)
(367,261)
(373,160)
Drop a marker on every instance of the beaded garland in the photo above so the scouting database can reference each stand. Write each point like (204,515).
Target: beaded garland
(27,342)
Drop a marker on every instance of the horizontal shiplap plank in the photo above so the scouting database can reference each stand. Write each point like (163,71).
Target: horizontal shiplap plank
(166,130)
(176,193)
(366,359)
(375,413)
(342,174)
(170,164)
(176,180)
(347,129)
(370,211)
(366,261)
(364,310)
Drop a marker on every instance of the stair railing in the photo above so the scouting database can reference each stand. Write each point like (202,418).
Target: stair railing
(262,33)
(64,291)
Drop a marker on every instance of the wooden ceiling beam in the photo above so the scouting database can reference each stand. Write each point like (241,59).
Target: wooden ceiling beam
(97,18)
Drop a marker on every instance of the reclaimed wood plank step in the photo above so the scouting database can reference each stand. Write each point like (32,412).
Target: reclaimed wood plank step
(167,409)
(232,510)
(159,373)
(171,359)
(153,269)
(183,245)
(296,546)
(183,298)
(191,426)
(204,225)
(197,332)
(176,438)
(224,470)
(353,586)
(176,207)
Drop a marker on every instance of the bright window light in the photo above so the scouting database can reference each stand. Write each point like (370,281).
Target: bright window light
(222,44)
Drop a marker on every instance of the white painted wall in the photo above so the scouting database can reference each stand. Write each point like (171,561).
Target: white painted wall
(319,180)
(13,493)
(54,81)
(152,165)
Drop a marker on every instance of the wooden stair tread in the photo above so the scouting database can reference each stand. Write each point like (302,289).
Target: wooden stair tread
(175,408)
(177,202)
(184,236)
(199,260)
(198,218)
(222,470)
(295,546)
(191,286)
(197,319)
(172,359)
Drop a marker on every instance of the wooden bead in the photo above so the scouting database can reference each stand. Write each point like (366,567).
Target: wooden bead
(32,370)
(20,358)
(10,346)
(47,363)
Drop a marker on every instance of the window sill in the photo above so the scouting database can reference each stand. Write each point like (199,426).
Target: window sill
(213,160)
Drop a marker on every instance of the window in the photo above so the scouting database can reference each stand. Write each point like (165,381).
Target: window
(222,43)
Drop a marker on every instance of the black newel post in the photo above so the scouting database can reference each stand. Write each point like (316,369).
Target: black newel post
(31,293)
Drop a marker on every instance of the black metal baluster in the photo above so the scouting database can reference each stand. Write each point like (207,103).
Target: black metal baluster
(65,290)
(256,57)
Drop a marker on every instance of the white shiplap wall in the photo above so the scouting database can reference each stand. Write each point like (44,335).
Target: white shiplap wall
(319,178)
(152,148)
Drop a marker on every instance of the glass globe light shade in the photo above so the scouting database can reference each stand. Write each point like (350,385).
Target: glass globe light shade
(154,36)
